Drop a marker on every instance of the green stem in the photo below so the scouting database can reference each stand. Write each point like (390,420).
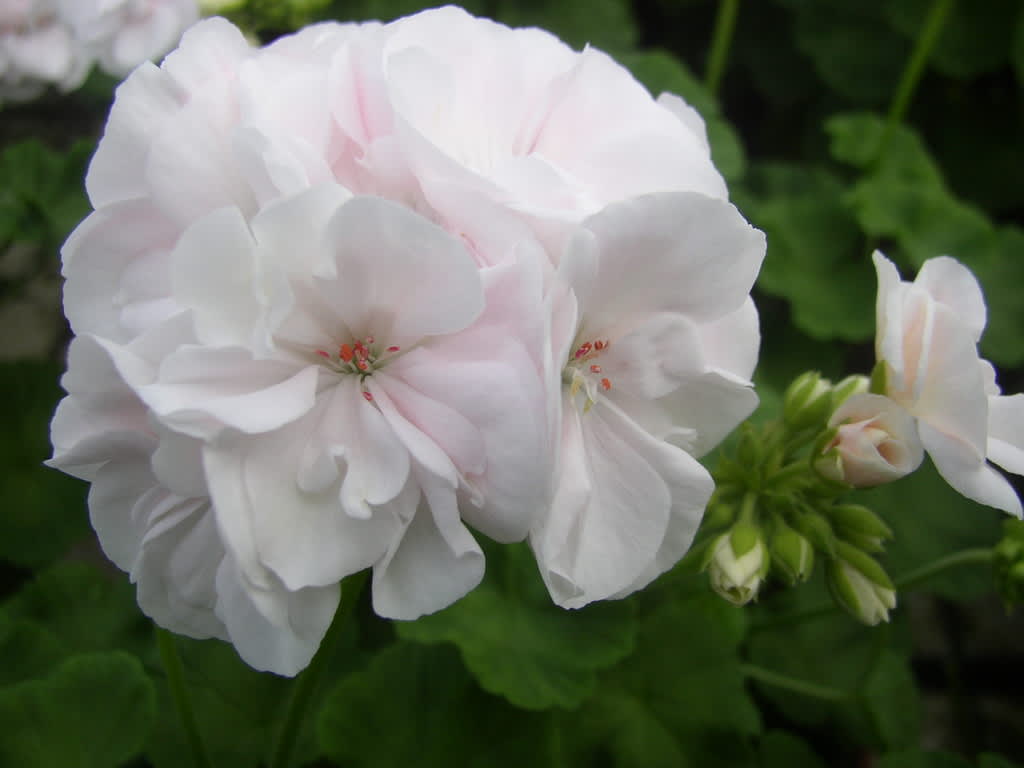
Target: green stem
(779,680)
(976,556)
(748,508)
(305,685)
(915,68)
(721,41)
(179,693)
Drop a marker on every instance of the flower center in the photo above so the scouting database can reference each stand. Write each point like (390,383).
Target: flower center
(360,358)
(583,373)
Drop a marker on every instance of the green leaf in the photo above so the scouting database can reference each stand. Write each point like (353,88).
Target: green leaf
(417,705)
(920,759)
(814,247)
(1001,274)
(837,36)
(781,749)
(930,520)
(975,38)
(519,645)
(84,608)
(43,510)
(991,760)
(686,667)
(662,72)
(892,701)
(94,711)
(27,650)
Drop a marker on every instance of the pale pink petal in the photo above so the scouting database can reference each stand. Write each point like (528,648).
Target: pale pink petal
(951,283)
(1006,432)
(712,404)
(400,277)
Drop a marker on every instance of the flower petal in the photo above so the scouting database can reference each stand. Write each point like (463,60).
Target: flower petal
(1006,432)
(951,283)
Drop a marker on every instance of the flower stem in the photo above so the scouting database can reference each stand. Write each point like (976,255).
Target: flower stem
(804,687)
(915,68)
(305,685)
(721,41)
(179,693)
(976,556)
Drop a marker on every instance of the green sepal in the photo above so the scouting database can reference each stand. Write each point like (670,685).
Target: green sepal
(879,379)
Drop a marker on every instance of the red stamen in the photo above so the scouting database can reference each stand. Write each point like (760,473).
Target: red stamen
(606,384)
(595,369)
(392,349)
(584,349)
(323,354)
(362,365)
(599,345)
(346,353)
(360,350)
(367,396)
(369,341)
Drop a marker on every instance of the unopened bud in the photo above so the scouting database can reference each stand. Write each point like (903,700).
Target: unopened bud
(807,401)
(792,555)
(738,563)
(875,442)
(859,526)
(818,531)
(860,585)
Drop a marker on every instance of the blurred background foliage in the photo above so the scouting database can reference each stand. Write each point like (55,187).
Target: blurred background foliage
(820,152)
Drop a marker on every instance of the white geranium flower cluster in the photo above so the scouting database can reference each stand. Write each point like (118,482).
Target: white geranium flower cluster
(350,299)
(56,42)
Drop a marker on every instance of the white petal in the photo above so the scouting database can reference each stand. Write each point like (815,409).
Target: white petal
(968,474)
(400,277)
(282,644)
(1006,432)
(670,252)
(712,404)
(731,343)
(951,283)
(201,390)
(433,563)
(652,359)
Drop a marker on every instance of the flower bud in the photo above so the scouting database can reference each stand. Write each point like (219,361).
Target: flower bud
(818,531)
(738,563)
(875,442)
(807,401)
(792,555)
(860,585)
(860,526)
(856,384)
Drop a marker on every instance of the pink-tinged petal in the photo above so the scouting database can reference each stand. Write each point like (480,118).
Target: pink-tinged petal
(615,529)
(210,50)
(98,260)
(215,274)
(731,343)
(1006,432)
(314,543)
(144,103)
(697,256)
(712,404)
(951,283)
(686,115)
(889,314)
(967,473)
(118,508)
(421,447)
(652,359)
(400,277)
(875,442)
(202,390)
(433,563)
(500,406)
(283,644)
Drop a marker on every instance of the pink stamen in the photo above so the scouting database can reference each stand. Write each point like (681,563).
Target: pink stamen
(323,354)
(595,369)
(393,349)
(367,396)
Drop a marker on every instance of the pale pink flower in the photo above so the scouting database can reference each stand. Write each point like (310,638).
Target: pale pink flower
(876,442)
(927,336)
(37,48)
(658,338)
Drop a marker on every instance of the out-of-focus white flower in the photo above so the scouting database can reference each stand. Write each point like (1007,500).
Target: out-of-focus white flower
(37,48)
(875,442)
(927,338)
(56,42)
(657,338)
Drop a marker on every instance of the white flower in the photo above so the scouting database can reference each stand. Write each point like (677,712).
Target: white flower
(657,337)
(875,442)
(37,48)
(927,336)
